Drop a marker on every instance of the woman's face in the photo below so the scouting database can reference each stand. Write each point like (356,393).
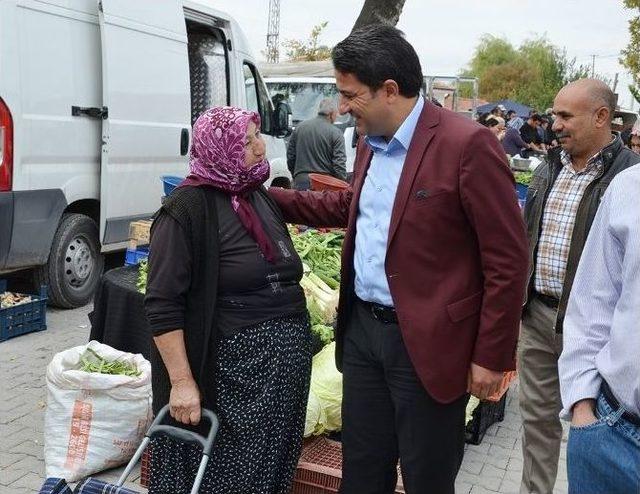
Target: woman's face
(254,146)
(498,130)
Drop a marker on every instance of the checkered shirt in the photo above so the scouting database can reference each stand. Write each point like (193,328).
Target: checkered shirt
(558,221)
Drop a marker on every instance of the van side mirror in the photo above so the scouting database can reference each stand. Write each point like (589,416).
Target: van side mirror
(283,118)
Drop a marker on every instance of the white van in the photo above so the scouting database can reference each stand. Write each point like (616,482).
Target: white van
(304,95)
(97,99)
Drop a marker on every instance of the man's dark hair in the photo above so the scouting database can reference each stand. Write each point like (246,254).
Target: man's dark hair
(511,112)
(376,53)
(536,118)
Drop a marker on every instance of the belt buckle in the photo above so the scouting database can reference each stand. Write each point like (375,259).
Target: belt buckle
(380,314)
(375,312)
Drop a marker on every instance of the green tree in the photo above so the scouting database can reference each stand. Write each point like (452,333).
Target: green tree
(531,74)
(631,55)
(309,50)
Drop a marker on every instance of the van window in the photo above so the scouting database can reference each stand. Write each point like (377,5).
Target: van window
(257,97)
(208,70)
(305,97)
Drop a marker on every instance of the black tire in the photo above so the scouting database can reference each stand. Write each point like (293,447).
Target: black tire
(75,263)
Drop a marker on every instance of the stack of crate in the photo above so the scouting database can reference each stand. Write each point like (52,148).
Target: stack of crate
(138,248)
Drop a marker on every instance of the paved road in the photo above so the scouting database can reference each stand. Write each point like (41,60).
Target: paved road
(493,466)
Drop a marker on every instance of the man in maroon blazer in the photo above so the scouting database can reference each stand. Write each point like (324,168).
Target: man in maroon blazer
(433,270)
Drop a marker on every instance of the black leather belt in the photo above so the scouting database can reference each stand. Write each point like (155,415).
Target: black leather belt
(382,313)
(615,404)
(548,300)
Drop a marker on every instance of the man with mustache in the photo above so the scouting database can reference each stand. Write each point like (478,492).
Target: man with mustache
(433,270)
(562,201)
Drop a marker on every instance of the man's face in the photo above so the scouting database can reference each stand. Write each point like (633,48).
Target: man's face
(576,124)
(367,107)
(635,144)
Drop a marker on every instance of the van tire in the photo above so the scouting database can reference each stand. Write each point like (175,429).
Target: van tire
(75,263)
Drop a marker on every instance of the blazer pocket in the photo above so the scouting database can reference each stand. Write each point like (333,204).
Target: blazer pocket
(426,198)
(466,307)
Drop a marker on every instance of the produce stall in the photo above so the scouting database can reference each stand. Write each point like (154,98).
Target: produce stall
(118,317)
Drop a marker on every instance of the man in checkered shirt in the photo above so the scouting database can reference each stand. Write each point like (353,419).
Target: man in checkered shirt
(561,203)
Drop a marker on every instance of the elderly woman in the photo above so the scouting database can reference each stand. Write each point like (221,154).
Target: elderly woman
(496,125)
(228,316)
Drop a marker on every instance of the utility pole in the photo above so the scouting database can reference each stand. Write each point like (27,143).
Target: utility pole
(273,32)
(615,83)
(593,66)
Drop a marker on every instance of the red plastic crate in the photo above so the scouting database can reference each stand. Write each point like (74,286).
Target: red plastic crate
(319,469)
(145,467)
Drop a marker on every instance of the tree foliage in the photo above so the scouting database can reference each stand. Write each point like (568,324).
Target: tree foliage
(531,74)
(309,50)
(631,54)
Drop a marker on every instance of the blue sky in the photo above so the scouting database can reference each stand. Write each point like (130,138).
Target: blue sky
(445,33)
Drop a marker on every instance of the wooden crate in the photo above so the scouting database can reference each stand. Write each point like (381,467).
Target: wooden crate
(139,233)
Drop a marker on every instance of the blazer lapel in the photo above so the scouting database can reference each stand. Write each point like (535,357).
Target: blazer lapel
(422,136)
(365,154)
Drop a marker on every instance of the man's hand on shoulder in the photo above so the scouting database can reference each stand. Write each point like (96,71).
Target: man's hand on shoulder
(482,382)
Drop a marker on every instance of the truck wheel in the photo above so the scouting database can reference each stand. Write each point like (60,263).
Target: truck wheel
(75,262)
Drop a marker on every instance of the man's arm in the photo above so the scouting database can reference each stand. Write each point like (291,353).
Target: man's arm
(488,196)
(595,292)
(291,153)
(319,209)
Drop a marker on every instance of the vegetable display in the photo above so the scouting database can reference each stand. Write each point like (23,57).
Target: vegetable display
(142,276)
(10,299)
(91,361)
(523,178)
(320,253)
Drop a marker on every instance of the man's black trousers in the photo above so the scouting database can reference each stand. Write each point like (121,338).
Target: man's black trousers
(387,415)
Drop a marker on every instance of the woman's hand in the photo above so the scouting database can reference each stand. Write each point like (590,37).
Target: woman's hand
(184,401)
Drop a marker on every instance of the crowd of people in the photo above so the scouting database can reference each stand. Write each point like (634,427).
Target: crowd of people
(535,135)
(443,288)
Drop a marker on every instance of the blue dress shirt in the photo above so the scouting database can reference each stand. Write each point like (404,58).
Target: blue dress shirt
(375,206)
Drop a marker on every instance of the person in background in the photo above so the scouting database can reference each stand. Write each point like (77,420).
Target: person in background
(499,111)
(529,132)
(514,121)
(562,200)
(433,270)
(513,144)
(317,146)
(496,126)
(600,362)
(550,139)
(634,138)
(228,316)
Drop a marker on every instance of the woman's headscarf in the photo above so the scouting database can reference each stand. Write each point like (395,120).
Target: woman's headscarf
(218,159)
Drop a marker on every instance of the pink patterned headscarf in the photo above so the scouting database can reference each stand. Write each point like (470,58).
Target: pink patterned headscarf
(218,159)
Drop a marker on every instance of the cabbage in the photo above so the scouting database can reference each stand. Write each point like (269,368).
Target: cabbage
(326,385)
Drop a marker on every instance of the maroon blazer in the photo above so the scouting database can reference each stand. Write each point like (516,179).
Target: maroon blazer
(456,255)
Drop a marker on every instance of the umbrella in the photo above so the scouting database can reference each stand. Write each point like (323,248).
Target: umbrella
(520,109)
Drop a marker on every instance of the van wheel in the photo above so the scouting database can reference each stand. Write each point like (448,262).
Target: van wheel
(75,263)
(282,182)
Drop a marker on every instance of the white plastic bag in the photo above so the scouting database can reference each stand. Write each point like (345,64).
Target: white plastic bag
(94,421)
(325,393)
